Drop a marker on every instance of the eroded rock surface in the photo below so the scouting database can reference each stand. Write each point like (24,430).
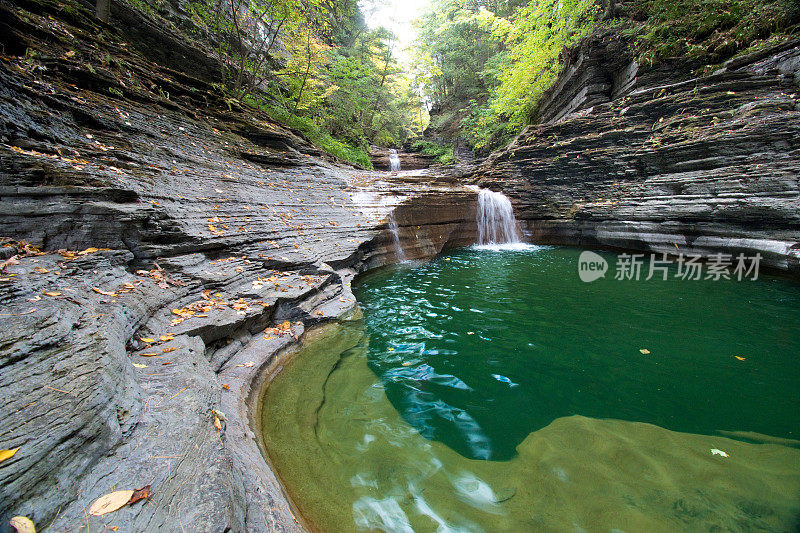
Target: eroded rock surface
(209,240)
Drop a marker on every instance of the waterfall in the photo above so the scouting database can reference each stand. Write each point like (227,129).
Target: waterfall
(394,160)
(496,222)
(400,255)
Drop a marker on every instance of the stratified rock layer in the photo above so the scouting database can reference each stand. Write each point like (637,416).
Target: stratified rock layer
(210,238)
(642,162)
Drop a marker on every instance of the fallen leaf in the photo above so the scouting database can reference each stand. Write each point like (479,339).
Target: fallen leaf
(104,293)
(22,524)
(715,451)
(52,293)
(644,351)
(217,423)
(170,349)
(137,365)
(148,354)
(88,251)
(740,358)
(226,386)
(110,502)
(166,338)
(140,494)
(147,339)
(7,454)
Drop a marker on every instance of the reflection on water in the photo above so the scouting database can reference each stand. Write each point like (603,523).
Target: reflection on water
(351,461)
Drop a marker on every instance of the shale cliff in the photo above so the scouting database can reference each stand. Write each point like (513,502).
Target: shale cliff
(660,159)
(162,247)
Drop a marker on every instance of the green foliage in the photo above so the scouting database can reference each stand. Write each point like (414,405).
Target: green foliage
(488,71)
(708,30)
(315,62)
(444,154)
(485,67)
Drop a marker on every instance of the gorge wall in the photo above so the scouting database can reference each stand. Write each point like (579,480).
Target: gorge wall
(161,247)
(658,159)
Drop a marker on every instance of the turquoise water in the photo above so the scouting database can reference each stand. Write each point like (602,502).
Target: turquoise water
(500,344)
(495,391)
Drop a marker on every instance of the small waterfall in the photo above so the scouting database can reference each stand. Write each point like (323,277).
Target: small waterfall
(496,222)
(400,255)
(394,160)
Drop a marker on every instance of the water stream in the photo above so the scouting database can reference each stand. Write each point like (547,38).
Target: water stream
(394,160)
(400,255)
(495,218)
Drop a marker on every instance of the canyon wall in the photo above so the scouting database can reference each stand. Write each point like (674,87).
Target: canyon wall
(161,248)
(661,160)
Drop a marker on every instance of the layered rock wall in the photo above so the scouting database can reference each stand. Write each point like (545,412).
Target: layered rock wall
(700,165)
(184,245)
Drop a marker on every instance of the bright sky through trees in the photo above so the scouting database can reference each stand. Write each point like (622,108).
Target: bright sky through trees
(397,16)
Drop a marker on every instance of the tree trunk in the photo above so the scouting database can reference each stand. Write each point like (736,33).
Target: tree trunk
(102,10)
(305,76)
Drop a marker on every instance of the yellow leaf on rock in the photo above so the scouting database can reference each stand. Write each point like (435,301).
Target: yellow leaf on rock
(7,454)
(137,365)
(52,293)
(170,349)
(110,502)
(146,339)
(22,524)
(166,338)
(88,251)
(104,293)
(148,354)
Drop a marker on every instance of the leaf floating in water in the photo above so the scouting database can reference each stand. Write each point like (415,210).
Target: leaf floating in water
(715,451)
(110,502)
(740,358)
(644,351)
(22,524)
(7,454)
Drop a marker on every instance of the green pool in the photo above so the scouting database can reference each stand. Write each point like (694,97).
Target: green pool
(495,391)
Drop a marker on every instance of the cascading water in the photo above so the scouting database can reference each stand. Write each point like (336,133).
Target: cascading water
(394,160)
(395,231)
(496,222)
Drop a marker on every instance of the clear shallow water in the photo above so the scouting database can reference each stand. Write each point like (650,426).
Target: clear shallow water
(386,423)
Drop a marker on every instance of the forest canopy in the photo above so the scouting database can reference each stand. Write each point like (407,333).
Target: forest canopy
(479,66)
